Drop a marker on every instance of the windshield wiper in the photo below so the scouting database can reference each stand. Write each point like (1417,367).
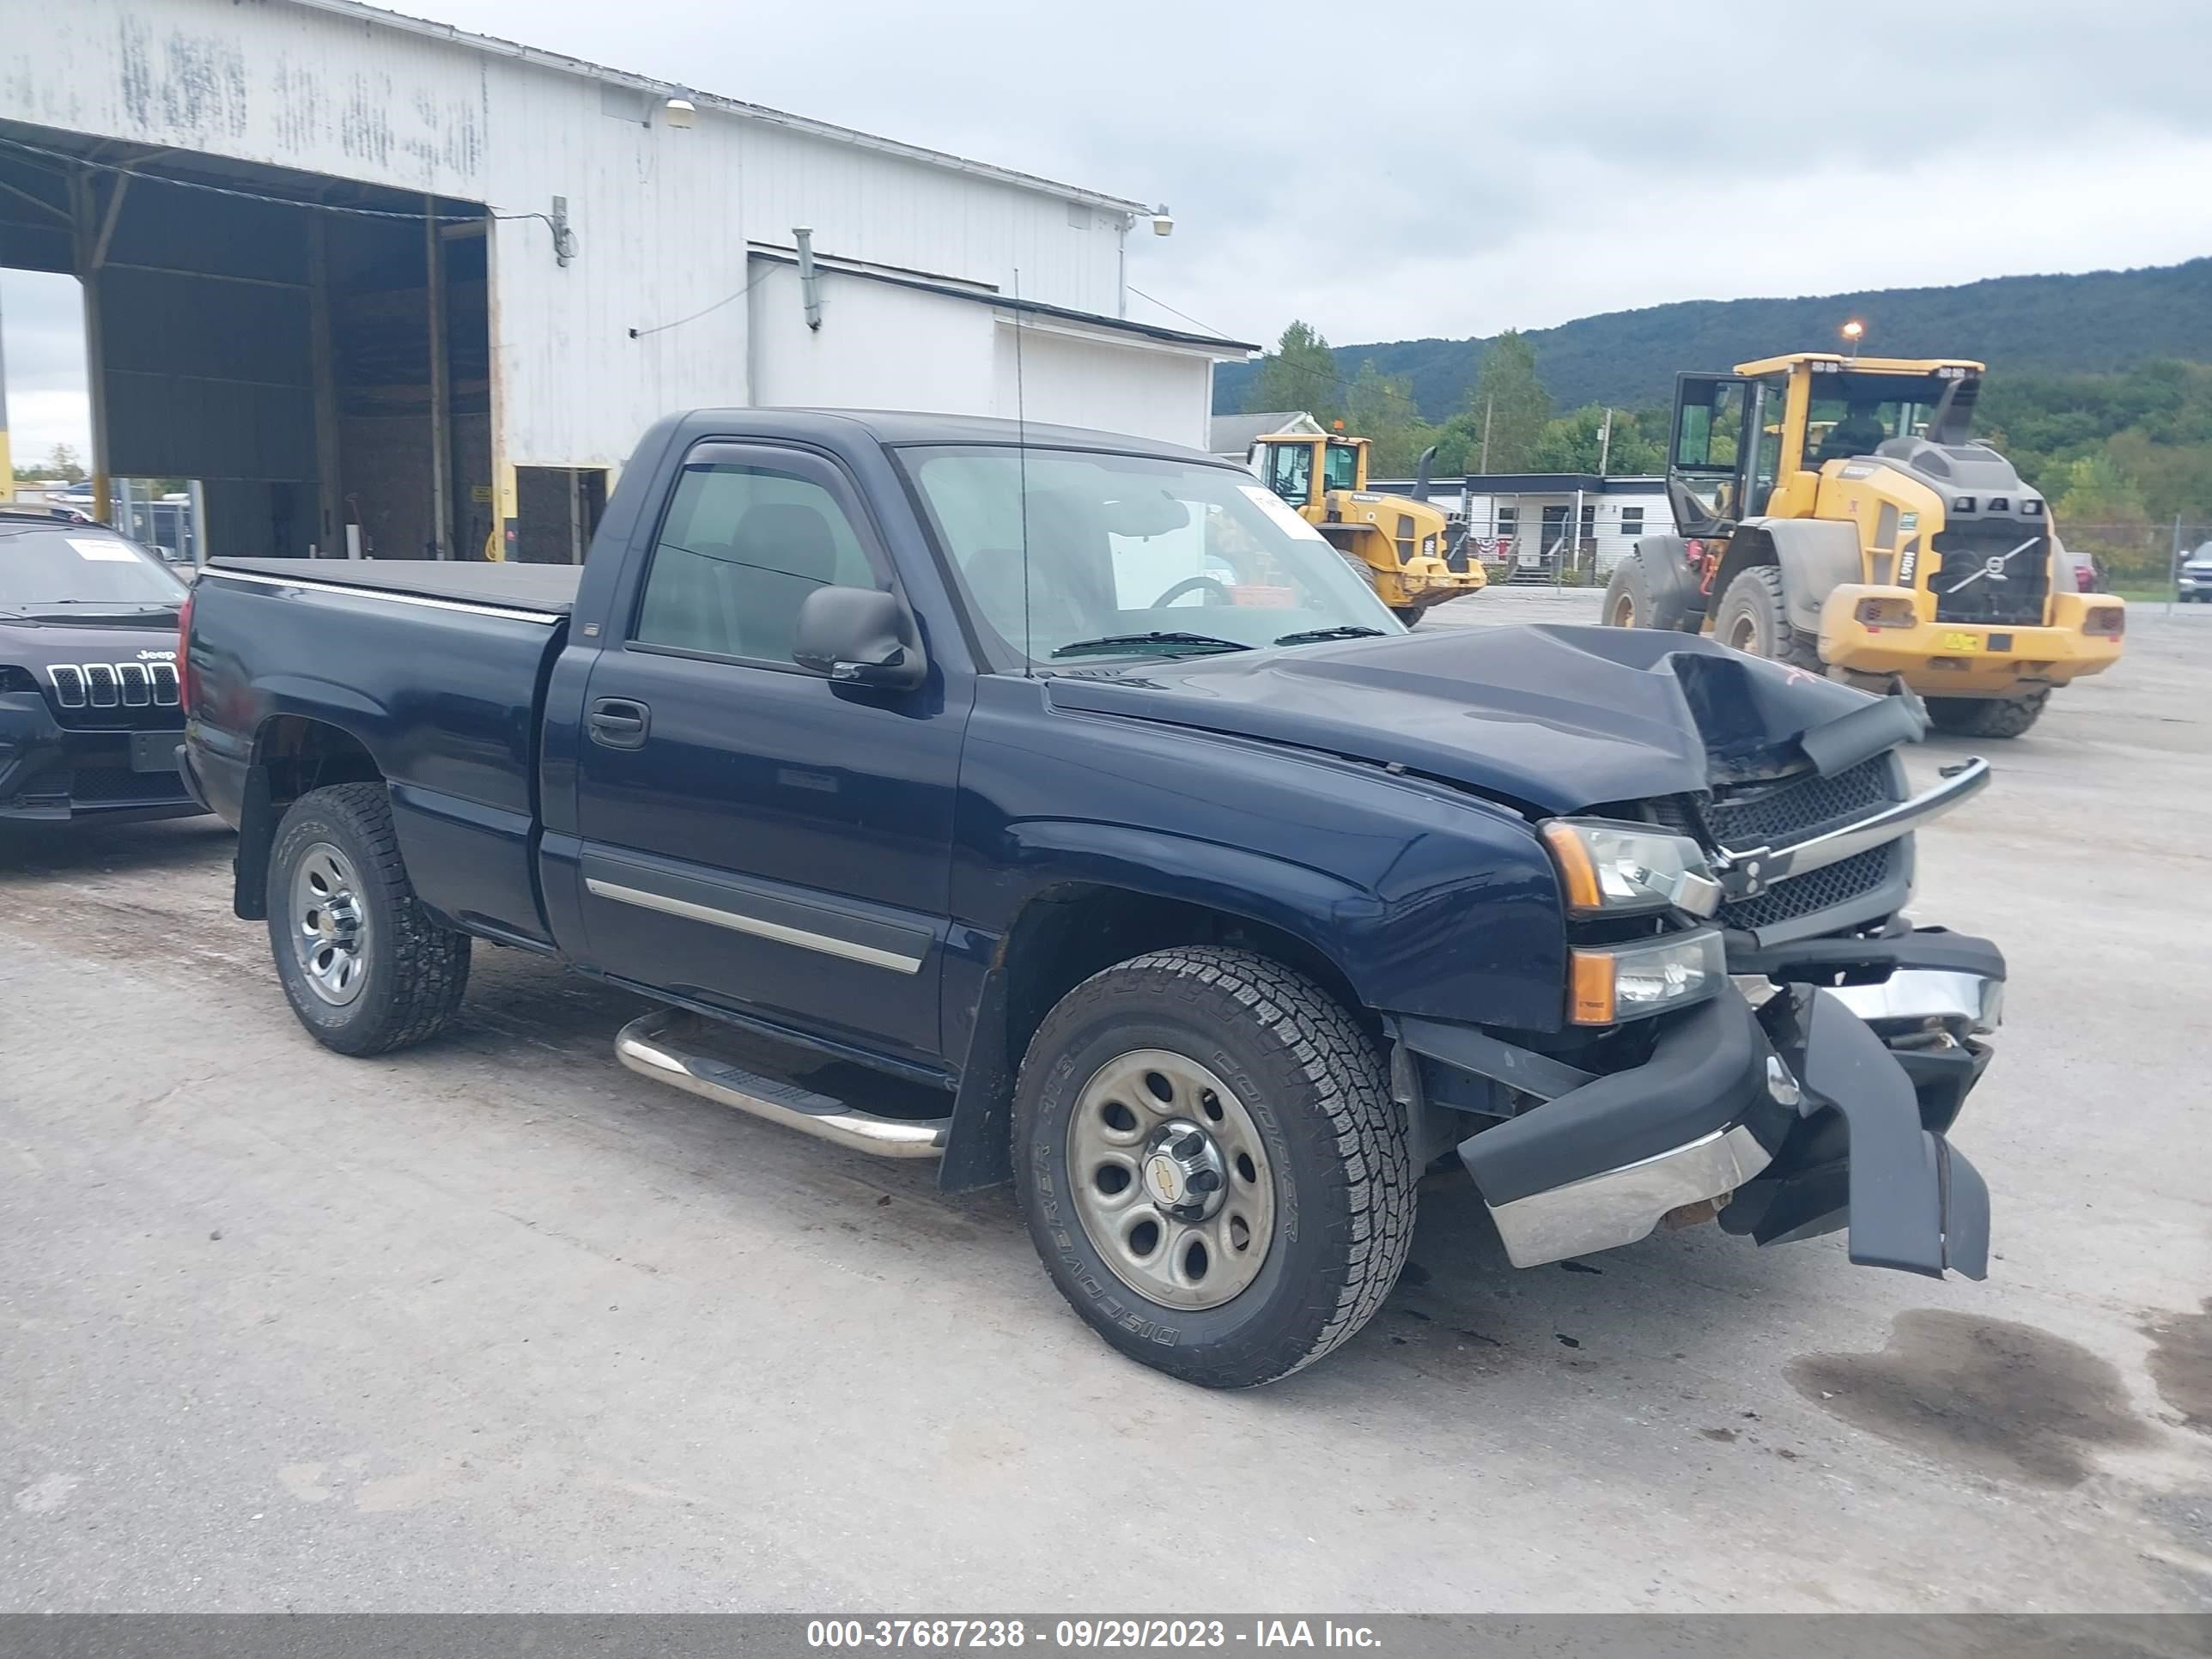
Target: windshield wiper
(1312,636)
(1108,643)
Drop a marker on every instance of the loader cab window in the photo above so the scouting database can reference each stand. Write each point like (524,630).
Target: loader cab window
(1710,415)
(1852,413)
(1290,473)
(1767,464)
(1341,469)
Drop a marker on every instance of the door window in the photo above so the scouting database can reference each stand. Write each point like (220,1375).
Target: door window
(1341,469)
(1766,467)
(1290,473)
(741,549)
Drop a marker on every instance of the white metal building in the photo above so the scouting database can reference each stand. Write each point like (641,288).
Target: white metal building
(360,274)
(1526,523)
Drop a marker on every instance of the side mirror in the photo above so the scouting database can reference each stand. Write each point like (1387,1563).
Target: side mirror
(860,637)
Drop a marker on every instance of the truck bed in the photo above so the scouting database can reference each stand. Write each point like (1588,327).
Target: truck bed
(547,589)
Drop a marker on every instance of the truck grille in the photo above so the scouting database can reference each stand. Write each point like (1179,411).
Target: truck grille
(1995,570)
(1791,809)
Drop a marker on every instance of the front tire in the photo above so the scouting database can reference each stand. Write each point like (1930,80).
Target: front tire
(1628,595)
(364,965)
(1754,617)
(1987,717)
(1197,1062)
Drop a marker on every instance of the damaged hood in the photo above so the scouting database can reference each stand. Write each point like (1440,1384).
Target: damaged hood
(1557,719)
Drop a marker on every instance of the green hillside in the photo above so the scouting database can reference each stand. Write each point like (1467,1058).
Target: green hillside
(2102,321)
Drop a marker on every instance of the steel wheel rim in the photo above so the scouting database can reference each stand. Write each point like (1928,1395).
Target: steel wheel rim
(1194,1255)
(1743,634)
(1624,612)
(330,928)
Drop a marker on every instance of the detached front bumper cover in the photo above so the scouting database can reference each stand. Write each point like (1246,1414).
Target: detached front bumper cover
(1798,1117)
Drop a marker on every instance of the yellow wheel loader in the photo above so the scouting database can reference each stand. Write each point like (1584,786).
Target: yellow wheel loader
(1399,544)
(1834,513)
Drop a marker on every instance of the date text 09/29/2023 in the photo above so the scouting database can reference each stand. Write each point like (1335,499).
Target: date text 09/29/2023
(1125,1634)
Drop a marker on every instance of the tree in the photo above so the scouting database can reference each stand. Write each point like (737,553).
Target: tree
(1506,407)
(1381,410)
(2099,493)
(62,463)
(1300,373)
(1576,442)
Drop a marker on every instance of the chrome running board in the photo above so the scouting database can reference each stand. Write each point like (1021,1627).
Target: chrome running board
(650,1045)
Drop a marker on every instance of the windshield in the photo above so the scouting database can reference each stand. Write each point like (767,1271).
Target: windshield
(1852,411)
(77,567)
(1122,545)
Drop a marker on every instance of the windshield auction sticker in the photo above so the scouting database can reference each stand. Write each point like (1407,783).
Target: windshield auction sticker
(1276,508)
(102,552)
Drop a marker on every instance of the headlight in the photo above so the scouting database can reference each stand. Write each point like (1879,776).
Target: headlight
(1621,868)
(1615,982)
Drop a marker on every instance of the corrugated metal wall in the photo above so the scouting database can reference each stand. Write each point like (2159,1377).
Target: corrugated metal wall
(662,215)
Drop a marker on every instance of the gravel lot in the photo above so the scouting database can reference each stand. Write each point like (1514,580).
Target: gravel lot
(495,1325)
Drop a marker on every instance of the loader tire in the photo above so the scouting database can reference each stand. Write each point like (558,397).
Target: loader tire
(1628,595)
(1987,717)
(1754,617)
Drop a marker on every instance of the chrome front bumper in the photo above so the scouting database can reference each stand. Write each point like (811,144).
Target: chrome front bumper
(1927,999)
(1603,1212)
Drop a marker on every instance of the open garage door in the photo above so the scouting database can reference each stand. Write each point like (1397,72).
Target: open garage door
(312,352)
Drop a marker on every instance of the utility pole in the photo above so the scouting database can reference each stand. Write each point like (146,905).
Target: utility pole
(1604,443)
(1489,408)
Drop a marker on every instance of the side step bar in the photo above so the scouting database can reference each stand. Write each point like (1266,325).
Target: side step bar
(651,1046)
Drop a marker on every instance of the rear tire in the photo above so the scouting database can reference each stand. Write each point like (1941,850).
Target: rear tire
(1987,717)
(365,967)
(1137,1051)
(1410,614)
(1754,617)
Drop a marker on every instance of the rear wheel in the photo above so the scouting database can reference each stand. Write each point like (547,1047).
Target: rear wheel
(1754,617)
(1407,614)
(1210,1165)
(365,967)
(1987,717)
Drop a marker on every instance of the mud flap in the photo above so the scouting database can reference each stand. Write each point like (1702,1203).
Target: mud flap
(1914,1201)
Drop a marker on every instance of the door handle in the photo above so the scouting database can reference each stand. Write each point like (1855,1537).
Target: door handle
(619,723)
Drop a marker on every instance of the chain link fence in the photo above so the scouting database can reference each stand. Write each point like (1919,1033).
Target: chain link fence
(2141,559)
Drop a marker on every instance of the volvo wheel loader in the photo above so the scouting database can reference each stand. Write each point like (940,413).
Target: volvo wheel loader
(1401,545)
(1836,514)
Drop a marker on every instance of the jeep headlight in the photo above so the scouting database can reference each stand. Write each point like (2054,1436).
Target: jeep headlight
(1614,869)
(1610,983)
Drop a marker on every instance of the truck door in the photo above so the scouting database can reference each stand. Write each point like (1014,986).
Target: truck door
(754,836)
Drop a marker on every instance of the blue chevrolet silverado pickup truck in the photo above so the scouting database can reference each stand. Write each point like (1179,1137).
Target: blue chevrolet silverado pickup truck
(1075,777)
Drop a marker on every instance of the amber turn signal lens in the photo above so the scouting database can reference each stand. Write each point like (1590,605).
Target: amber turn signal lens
(1887,613)
(1577,875)
(1589,995)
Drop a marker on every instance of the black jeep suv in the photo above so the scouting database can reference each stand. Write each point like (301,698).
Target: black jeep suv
(90,710)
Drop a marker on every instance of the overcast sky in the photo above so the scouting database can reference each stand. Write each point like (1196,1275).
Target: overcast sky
(1387,170)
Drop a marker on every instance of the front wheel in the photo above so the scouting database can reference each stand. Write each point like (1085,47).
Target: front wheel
(364,965)
(1407,614)
(1987,717)
(1754,617)
(1210,1165)
(1628,595)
